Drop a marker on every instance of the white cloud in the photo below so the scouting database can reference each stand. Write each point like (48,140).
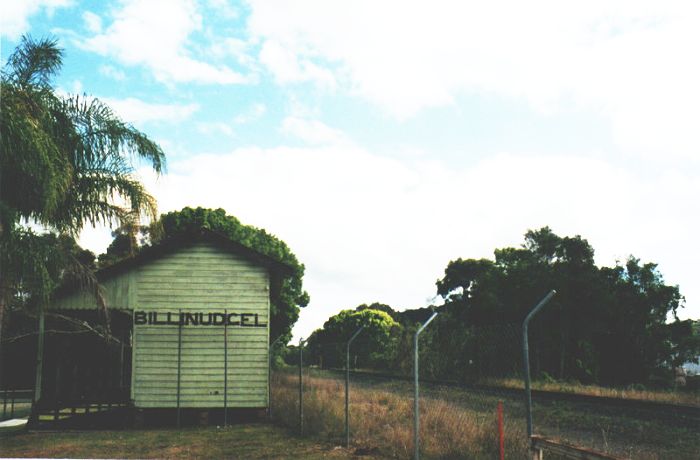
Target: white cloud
(369,228)
(631,61)
(96,239)
(255,112)
(312,131)
(112,72)
(216,128)
(235,47)
(287,67)
(224,8)
(154,33)
(136,111)
(92,21)
(77,87)
(14,20)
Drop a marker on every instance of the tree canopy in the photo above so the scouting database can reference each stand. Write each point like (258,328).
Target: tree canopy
(371,347)
(606,325)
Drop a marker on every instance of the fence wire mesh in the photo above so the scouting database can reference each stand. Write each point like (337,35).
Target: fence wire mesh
(462,380)
(631,421)
(458,417)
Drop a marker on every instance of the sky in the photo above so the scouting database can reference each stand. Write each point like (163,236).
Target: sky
(380,140)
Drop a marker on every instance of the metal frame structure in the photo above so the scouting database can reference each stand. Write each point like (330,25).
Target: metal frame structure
(347,387)
(526,359)
(416,409)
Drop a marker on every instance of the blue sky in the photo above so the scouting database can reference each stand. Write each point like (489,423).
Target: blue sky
(382,139)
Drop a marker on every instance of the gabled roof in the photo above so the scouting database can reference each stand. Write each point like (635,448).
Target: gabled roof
(175,243)
(278,270)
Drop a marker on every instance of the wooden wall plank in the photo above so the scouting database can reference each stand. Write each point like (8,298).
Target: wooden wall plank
(116,293)
(201,279)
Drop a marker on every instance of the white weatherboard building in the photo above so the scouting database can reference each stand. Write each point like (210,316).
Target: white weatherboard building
(196,332)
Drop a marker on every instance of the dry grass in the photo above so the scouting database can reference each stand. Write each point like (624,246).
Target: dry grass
(382,421)
(675,397)
(459,423)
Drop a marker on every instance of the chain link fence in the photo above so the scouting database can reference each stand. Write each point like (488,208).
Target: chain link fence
(458,418)
(465,380)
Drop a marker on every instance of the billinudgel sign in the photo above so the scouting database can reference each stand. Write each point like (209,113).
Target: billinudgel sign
(153,318)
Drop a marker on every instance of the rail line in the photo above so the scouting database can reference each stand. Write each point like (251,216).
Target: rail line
(681,413)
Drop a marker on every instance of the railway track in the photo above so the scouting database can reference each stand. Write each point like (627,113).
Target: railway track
(678,413)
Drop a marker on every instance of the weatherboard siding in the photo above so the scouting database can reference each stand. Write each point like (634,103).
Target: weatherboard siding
(202,279)
(116,292)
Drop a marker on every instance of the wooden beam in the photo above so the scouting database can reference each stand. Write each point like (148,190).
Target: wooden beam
(39,357)
(541,444)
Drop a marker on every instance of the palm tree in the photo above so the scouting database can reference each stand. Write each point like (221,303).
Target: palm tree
(64,162)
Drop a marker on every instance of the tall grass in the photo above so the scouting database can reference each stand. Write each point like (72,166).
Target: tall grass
(632,392)
(383,421)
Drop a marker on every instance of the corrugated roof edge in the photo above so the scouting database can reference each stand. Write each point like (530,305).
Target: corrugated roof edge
(277,269)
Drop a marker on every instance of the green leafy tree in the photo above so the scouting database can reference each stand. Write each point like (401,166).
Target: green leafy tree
(125,242)
(637,340)
(64,162)
(605,325)
(374,347)
(395,315)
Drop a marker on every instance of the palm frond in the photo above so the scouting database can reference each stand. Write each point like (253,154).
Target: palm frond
(64,162)
(103,135)
(34,62)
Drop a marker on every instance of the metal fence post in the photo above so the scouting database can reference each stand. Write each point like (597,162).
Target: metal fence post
(416,410)
(225,368)
(269,376)
(38,376)
(301,388)
(38,381)
(179,363)
(347,387)
(526,360)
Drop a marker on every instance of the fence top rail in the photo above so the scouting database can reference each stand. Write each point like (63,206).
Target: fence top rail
(568,450)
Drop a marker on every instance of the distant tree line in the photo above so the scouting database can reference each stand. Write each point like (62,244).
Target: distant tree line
(606,325)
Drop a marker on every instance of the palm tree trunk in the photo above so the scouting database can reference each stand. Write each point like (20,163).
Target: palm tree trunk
(3,306)
(4,297)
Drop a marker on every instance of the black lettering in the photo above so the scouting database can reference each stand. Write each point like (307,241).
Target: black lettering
(201,319)
(230,321)
(244,319)
(171,321)
(191,318)
(157,321)
(140,317)
(219,319)
(198,319)
(257,323)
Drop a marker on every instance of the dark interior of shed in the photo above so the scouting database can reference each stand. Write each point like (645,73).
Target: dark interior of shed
(86,360)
